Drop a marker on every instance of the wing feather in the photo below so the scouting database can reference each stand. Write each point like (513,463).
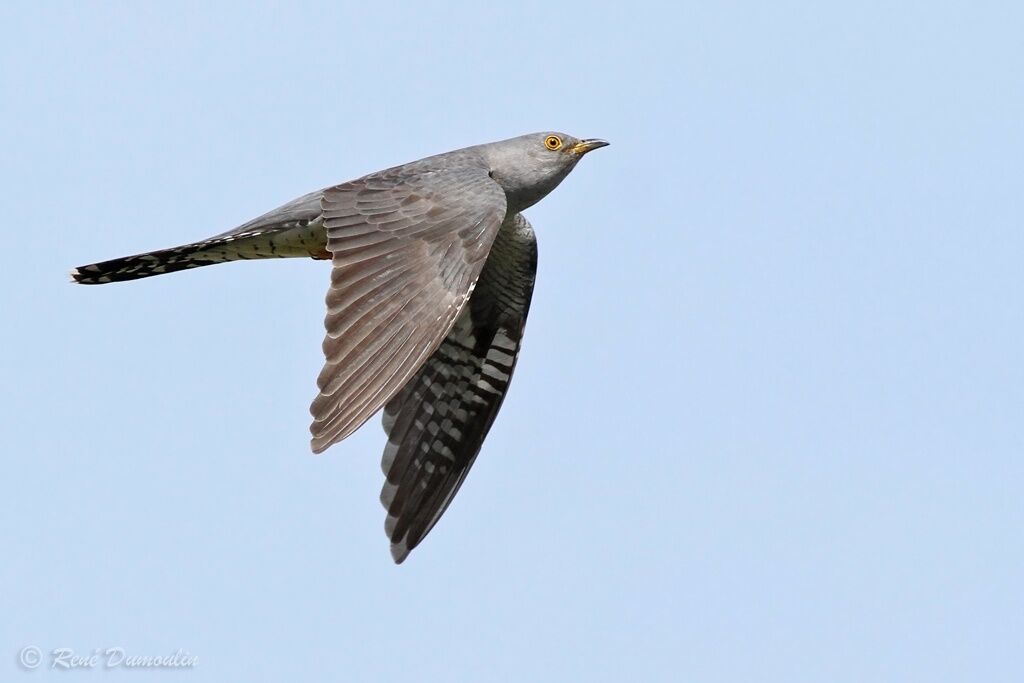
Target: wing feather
(437,422)
(407,246)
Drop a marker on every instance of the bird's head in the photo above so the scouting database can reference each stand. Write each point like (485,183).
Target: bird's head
(530,166)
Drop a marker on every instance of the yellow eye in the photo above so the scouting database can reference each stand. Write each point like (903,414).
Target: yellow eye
(553,142)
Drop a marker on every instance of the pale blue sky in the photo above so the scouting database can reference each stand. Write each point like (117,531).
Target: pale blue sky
(767,423)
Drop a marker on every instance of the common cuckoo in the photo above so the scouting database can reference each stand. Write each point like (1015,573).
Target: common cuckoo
(433,266)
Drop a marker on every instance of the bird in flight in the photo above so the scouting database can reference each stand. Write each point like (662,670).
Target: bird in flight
(432,272)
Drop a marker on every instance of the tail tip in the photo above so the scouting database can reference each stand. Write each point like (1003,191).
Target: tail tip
(88,275)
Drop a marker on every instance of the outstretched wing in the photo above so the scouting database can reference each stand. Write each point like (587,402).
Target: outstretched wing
(438,421)
(407,246)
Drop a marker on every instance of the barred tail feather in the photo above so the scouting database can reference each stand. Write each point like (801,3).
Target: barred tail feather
(146,265)
(288,240)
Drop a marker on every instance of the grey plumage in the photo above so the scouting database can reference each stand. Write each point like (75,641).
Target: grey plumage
(409,246)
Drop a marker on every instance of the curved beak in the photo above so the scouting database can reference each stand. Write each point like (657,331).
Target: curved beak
(584,146)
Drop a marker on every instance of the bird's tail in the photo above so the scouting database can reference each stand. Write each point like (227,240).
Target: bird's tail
(293,241)
(145,265)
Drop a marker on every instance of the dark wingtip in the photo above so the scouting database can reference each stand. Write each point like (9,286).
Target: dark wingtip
(399,551)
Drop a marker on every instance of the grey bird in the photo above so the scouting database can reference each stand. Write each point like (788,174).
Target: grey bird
(433,266)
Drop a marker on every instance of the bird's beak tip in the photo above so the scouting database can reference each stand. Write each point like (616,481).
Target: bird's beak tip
(589,145)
